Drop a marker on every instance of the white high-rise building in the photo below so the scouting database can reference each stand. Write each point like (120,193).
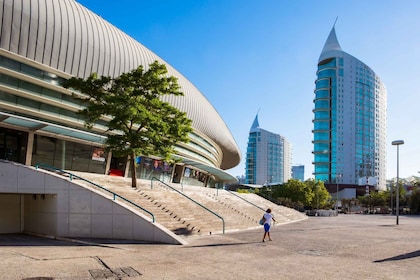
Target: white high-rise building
(349,120)
(268,157)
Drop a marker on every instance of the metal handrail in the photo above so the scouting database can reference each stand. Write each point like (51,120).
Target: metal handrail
(199,204)
(246,200)
(71,176)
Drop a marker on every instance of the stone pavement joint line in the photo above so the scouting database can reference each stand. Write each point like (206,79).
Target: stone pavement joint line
(344,247)
(116,273)
(109,273)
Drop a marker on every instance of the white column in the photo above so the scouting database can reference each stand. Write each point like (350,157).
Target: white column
(29,148)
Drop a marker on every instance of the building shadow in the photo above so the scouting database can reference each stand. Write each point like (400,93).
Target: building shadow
(20,239)
(223,244)
(410,255)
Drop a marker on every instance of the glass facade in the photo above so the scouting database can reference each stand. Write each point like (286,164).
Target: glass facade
(68,155)
(349,122)
(38,94)
(298,172)
(267,158)
(324,129)
(251,158)
(13,145)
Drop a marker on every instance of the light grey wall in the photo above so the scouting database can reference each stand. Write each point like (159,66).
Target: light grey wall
(69,209)
(348,193)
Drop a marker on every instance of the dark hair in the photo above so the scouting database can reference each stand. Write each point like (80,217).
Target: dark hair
(268,210)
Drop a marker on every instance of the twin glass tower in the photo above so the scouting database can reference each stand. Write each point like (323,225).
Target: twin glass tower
(349,132)
(268,157)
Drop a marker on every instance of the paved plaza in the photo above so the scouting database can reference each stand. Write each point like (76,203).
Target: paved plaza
(343,247)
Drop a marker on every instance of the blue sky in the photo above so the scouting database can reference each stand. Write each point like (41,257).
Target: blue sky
(246,56)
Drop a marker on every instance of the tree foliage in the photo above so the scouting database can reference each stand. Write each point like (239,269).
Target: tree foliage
(321,198)
(375,199)
(141,123)
(310,193)
(296,191)
(415,201)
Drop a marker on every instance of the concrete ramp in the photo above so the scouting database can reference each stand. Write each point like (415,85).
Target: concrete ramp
(182,216)
(42,202)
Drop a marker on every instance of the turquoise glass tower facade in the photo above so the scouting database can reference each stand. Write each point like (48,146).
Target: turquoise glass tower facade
(268,157)
(349,134)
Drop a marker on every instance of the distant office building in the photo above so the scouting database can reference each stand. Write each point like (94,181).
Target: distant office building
(298,172)
(241,179)
(349,119)
(268,157)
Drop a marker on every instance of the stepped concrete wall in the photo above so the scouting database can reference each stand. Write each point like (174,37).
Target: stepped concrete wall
(239,211)
(42,202)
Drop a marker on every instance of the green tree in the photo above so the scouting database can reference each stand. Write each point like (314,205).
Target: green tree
(141,123)
(380,198)
(294,194)
(321,196)
(293,190)
(403,201)
(309,193)
(374,199)
(415,201)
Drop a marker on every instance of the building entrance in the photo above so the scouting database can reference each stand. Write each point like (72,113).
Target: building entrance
(13,145)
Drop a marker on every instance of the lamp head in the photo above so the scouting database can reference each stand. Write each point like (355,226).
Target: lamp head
(397,142)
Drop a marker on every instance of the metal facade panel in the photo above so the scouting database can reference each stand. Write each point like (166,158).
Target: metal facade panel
(89,49)
(67,45)
(42,31)
(49,34)
(73,34)
(64,31)
(6,31)
(24,30)
(67,36)
(99,46)
(1,21)
(15,27)
(83,46)
(56,34)
(107,53)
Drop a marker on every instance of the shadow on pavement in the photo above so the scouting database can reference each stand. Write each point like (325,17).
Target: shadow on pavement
(20,239)
(17,239)
(410,255)
(222,244)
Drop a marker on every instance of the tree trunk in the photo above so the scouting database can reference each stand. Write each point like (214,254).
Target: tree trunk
(133,170)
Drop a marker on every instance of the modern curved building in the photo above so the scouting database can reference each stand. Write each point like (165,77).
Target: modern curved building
(42,43)
(349,120)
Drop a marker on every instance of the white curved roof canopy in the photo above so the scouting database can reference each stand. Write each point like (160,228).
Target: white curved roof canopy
(66,36)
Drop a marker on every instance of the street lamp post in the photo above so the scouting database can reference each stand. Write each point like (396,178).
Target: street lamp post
(397,195)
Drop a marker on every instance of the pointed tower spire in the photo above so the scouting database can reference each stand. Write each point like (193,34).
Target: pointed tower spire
(331,46)
(255,125)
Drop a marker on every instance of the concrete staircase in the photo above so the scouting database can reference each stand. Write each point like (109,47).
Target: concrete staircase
(184,215)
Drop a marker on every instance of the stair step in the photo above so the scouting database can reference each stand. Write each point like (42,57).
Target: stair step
(185,217)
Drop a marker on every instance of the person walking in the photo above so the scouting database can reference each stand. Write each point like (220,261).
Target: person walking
(268,217)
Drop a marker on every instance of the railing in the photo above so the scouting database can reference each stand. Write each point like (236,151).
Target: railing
(202,206)
(267,197)
(246,200)
(115,195)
